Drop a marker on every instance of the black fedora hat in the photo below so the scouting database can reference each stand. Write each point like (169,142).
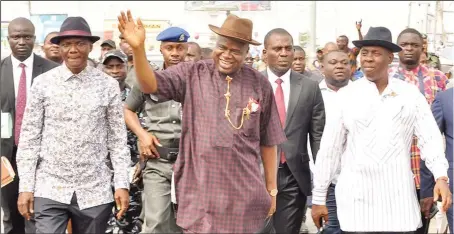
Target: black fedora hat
(378,36)
(74,27)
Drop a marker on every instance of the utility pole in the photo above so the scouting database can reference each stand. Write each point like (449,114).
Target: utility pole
(30,8)
(312,29)
(409,14)
(425,14)
(441,15)
(434,45)
(439,34)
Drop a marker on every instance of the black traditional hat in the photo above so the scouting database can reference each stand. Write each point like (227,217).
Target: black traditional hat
(378,36)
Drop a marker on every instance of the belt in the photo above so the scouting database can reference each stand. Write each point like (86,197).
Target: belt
(169,154)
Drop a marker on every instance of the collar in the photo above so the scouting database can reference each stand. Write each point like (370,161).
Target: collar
(126,91)
(233,75)
(272,77)
(324,86)
(419,69)
(28,62)
(391,90)
(66,73)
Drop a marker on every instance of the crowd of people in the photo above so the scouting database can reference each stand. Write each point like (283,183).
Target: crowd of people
(215,140)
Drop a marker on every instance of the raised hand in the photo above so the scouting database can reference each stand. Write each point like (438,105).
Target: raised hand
(133,33)
(359,24)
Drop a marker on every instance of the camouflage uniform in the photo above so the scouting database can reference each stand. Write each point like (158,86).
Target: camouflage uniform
(131,223)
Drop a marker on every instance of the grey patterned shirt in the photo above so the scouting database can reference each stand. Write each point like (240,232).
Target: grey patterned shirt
(70,124)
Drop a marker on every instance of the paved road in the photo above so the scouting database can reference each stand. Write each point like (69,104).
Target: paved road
(309,223)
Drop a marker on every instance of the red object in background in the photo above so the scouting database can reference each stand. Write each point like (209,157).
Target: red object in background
(108,35)
(196,36)
(249,6)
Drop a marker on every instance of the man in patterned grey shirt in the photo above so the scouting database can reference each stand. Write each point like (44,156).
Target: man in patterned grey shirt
(73,120)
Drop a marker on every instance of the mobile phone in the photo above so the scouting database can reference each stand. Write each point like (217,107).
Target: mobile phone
(433,211)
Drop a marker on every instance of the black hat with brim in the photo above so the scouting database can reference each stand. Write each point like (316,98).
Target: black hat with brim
(378,36)
(74,27)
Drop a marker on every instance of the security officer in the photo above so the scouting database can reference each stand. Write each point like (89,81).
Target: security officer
(159,142)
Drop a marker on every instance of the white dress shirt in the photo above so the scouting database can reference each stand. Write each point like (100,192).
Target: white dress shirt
(329,100)
(285,84)
(372,134)
(17,72)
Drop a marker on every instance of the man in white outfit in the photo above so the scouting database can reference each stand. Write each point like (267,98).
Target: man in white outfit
(371,130)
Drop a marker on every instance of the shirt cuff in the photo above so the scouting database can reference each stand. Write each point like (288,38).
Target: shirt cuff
(25,187)
(121,183)
(319,197)
(440,171)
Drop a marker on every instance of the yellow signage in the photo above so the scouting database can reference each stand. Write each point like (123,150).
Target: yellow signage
(152,29)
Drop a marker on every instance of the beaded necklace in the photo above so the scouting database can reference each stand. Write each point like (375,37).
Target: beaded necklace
(246,111)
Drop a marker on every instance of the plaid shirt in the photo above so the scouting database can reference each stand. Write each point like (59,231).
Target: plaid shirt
(430,81)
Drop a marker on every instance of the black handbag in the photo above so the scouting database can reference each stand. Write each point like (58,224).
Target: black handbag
(268,227)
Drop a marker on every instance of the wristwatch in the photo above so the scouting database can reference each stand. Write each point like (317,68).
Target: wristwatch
(444,178)
(273,192)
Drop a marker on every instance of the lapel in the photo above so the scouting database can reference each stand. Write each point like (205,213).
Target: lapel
(7,80)
(295,91)
(37,66)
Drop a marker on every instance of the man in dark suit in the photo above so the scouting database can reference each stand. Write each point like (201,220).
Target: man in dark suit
(442,109)
(17,73)
(302,113)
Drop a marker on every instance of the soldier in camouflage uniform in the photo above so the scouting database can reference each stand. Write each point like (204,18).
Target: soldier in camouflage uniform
(115,65)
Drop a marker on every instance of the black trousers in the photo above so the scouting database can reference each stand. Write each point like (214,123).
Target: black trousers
(13,222)
(290,202)
(52,217)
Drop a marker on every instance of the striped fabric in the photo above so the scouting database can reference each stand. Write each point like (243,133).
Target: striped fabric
(430,81)
(369,139)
